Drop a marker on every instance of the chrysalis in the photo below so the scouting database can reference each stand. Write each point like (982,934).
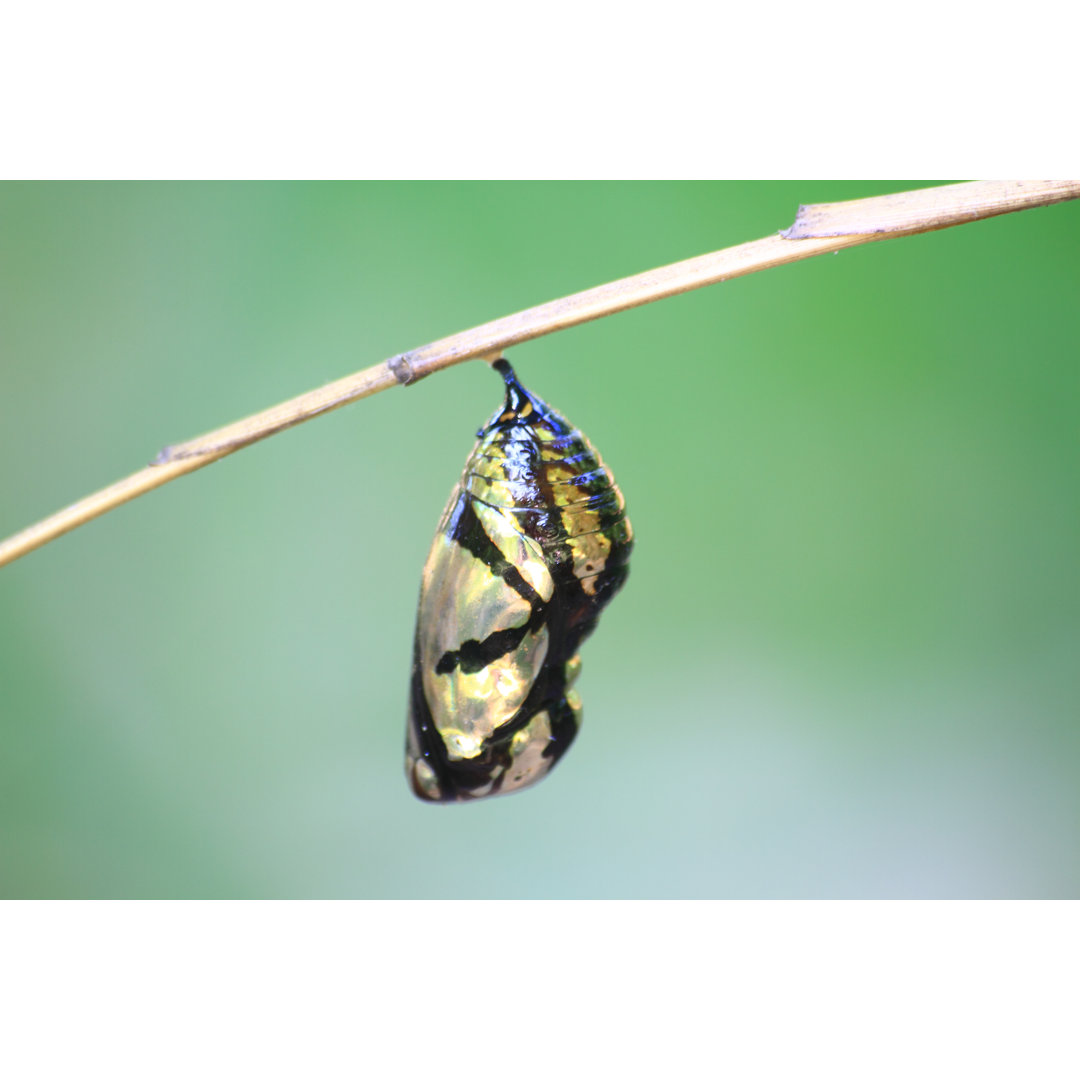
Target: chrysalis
(532,544)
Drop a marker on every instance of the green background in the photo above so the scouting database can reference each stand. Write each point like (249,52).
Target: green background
(845,663)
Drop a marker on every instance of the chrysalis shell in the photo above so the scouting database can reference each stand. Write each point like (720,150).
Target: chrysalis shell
(532,545)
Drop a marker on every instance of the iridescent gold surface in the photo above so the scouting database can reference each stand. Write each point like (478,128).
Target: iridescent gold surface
(424,776)
(527,761)
(572,670)
(462,600)
(521,551)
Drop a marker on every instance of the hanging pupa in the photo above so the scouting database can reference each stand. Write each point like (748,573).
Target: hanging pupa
(532,545)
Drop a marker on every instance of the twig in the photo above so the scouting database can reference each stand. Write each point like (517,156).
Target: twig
(817,230)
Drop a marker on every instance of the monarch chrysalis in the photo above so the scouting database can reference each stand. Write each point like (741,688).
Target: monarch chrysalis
(532,544)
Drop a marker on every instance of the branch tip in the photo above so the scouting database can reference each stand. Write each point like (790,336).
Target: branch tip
(794,230)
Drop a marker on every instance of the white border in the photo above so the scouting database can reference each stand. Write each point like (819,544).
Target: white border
(529,989)
(567,89)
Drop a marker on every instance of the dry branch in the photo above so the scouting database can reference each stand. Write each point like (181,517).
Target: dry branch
(818,229)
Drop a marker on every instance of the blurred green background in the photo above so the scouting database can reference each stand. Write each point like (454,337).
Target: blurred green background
(845,664)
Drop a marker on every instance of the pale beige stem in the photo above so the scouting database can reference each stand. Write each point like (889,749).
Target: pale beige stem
(817,229)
